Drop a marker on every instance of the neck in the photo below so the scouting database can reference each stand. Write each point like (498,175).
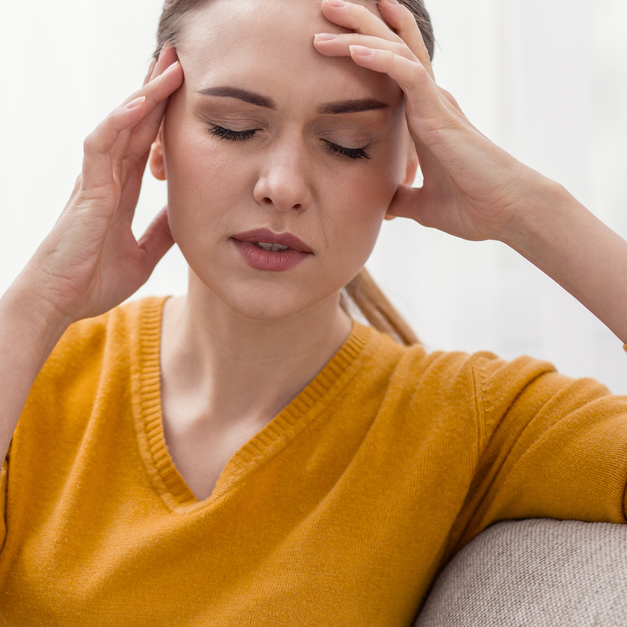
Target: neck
(221,368)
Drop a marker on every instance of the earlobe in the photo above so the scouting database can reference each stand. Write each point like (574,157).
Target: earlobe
(157,160)
(412,164)
(410,171)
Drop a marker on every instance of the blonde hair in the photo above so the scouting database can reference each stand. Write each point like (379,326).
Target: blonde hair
(366,296)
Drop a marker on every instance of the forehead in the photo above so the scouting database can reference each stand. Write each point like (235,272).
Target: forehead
(267,46)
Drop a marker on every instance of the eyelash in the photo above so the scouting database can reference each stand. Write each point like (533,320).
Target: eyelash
(240,136)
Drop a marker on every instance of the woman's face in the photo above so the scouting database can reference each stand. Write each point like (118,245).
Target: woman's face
(262,136)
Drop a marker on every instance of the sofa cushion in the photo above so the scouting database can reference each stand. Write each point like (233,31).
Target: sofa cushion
(532,573)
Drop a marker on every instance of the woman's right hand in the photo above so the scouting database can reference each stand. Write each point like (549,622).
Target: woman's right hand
(91,262)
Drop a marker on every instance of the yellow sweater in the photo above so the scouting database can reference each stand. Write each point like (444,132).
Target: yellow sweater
(340,512)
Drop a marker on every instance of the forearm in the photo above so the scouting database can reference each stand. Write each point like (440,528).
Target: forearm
(562,238)
(29,331)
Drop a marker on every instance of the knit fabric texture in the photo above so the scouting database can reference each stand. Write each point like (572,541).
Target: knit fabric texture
(545,573)
(341,511)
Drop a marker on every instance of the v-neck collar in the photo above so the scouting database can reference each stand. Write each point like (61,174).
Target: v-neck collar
(283,428)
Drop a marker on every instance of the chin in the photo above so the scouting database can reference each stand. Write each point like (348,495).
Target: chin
(266,303)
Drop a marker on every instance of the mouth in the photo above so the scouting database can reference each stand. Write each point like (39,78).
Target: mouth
(265,239)
(274,252)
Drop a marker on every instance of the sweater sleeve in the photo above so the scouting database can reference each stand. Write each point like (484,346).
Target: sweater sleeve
(550,446)
(4,471)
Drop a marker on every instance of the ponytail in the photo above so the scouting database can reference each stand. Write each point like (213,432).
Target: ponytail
(367,297)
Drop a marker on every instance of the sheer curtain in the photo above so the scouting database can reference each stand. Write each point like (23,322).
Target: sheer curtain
(545,79)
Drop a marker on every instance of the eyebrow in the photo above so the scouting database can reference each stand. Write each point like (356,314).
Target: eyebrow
(240,94)
(341,106)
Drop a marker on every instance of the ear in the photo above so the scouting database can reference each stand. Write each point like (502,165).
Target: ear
(412,164)
(157,158)
(410,170)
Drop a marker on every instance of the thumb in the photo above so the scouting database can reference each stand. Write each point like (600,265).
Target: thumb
(406,202)
(156,241)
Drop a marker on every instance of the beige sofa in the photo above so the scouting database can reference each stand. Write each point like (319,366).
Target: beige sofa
(534,573)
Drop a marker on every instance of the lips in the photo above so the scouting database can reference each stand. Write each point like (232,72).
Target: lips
(271,261)
(283,239)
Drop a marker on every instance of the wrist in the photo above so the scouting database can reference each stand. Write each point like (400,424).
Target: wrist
(32,318)
(542,213)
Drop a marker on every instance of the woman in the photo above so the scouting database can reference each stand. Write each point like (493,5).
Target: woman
(247,454)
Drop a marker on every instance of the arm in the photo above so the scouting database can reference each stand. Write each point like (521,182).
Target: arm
(567,242)
(473,189)
(90,262)
(28,333)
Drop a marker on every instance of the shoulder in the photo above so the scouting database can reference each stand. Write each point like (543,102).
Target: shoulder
(453,371)
(89,344)
(480,383)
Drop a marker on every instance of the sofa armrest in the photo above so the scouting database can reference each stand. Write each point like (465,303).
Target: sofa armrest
(534,573)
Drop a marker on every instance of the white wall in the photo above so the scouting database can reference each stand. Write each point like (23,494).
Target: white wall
(546,79)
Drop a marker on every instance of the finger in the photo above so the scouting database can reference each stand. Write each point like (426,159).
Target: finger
(132,188)
(358,18)
(157,67)
(107,145)
(166,58)
(405,202)
(332,44)
(401,19)
(151,69)
(411,76)
(156,241)
(162,68)
(136,140)
(98,144)
(147,130)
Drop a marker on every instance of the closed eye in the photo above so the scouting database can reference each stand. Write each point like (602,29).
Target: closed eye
(351,153)
(238,136)
(227,133)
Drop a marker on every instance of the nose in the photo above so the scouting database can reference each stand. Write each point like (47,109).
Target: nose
(283,181)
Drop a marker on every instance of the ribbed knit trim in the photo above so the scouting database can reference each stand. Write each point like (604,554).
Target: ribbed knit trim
(328,382)
(318,393)
(150,394)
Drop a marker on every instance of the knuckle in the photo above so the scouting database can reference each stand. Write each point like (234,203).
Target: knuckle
(88,143)
(419,71)
(390,59)
(402,50)
(359,14)
(415,77)
(109,121)
(358,9)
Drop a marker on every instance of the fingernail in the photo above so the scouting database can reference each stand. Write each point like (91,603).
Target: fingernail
(134,103)
(171,67)
(336,3)
(362,51)
(325,36)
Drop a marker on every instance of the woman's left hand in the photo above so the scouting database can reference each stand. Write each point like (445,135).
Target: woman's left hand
(472,189)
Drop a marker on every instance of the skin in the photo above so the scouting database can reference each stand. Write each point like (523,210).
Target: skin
(241,345)
(285,178)
(243,342)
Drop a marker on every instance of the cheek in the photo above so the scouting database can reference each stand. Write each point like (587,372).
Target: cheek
(359,200)
(202,177)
